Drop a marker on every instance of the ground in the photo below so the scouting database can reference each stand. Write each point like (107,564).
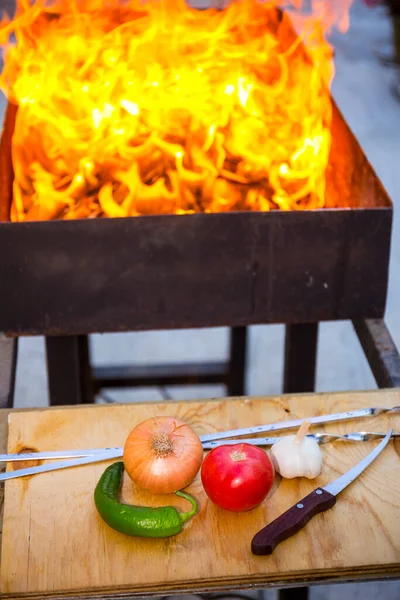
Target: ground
(362,88)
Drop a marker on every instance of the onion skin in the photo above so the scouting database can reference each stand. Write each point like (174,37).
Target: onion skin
(162,455)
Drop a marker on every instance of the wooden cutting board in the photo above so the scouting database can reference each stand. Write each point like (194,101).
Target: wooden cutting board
(54,542)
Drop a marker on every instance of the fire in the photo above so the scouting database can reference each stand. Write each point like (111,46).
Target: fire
(153,107)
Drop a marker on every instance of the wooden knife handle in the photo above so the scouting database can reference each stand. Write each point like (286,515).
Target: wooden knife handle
(290,522)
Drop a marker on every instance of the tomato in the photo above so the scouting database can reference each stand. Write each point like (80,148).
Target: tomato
(237,477)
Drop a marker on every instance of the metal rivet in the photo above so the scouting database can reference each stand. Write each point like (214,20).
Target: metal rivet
(300,506)
(319,492)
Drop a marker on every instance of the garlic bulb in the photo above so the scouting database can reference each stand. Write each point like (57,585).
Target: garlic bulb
(297,455)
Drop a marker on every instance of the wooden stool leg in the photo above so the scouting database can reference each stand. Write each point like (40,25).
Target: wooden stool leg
(380,350)
(300,362)
(236,379)
(300,358)
(68,370)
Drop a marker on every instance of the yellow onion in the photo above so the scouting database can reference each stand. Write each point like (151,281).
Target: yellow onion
(163,455)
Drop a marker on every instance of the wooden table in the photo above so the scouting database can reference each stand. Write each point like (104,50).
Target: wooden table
(55,546)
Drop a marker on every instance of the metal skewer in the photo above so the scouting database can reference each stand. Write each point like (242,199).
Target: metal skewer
(98,457)
(211,440)
(352,414)
(112,453)
(50,455)
(321,438)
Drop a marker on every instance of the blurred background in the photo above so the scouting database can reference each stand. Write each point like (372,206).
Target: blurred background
(366,88)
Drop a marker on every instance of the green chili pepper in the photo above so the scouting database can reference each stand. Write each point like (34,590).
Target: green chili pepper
(140,521)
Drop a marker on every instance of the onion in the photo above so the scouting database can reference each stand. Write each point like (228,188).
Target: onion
(163,455)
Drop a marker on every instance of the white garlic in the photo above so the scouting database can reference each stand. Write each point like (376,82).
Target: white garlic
(297,455)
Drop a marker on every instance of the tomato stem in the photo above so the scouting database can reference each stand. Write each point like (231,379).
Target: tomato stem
(195,506)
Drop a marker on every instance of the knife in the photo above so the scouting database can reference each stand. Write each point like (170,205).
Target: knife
(321,499)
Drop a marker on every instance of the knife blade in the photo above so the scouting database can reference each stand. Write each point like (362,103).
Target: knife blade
(320,500)
(293,424)
(61,465)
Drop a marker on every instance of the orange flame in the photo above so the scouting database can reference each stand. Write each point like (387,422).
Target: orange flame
(150,107)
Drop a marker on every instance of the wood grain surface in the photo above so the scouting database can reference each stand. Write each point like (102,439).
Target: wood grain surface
(54,543)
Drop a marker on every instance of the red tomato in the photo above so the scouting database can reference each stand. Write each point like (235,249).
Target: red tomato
(237,477)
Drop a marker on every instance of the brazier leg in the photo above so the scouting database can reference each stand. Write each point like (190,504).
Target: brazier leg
(8,364)
(300,358)
(237,363)
(68,370)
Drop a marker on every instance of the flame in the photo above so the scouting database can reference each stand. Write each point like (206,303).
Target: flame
(152,107)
